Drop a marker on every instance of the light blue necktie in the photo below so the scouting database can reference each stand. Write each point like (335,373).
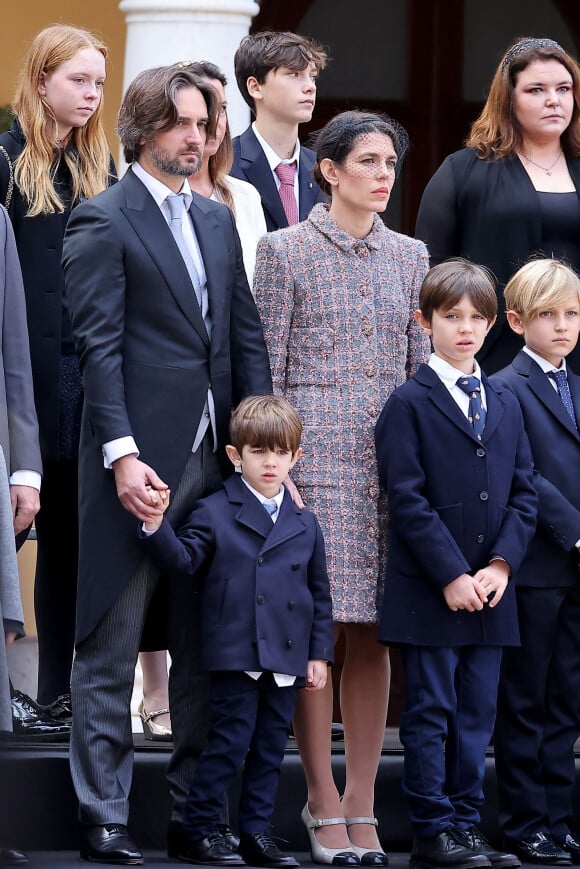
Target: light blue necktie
(271,507)
(175,203)
(476,413)
(564,393)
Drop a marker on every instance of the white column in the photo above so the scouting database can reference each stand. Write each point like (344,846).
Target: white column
(166,31)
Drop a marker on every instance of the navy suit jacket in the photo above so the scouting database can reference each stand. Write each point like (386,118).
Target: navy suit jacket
(250,164)
(454,503)
(552,558)
(265,596)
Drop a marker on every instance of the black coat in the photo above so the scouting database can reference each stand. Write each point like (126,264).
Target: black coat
(488,212)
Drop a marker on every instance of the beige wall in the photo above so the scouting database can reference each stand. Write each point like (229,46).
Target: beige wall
(24,18)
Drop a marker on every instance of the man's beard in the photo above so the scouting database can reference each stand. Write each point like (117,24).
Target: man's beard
(173,166)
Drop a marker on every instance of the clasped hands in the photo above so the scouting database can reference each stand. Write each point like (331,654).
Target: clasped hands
(486,586)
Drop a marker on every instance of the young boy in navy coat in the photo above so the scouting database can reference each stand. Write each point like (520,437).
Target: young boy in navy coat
(266,626)
(539,689)
(455,462)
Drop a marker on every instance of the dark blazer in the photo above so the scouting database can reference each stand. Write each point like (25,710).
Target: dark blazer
(250,164)
(18,424)
(454,503)
(487,211)
(39,242)
(147,361)
(265,596)
(552,558)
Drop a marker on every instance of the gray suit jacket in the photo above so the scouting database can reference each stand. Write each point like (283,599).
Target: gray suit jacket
(147,360)
(18,424)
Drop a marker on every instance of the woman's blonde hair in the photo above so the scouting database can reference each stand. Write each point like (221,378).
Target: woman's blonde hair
(88,159)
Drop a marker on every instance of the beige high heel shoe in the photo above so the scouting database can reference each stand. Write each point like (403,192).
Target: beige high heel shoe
(367,856)
(150,729)
(320,854)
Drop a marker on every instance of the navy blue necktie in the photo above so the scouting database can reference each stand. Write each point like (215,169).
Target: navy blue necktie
(564,392)
(472,387)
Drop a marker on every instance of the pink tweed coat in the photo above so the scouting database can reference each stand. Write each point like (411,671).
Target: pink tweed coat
(338,321)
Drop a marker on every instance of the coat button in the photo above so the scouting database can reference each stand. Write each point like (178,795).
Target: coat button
(483,496)
(291,605)
(480,538)
(260,599)
(261,561)
(295,567)
(289,644)
(480,452)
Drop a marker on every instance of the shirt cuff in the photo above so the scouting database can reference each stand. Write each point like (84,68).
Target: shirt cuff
(26,478)
(118,448)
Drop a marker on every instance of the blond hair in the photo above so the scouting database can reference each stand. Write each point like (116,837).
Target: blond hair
(88,159)
(539,285)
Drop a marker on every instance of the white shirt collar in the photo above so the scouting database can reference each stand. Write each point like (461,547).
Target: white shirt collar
(271,156)
(543,363)
(447,373)
(158,190)
(262,498)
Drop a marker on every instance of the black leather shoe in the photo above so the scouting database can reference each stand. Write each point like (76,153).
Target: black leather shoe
(571,845)
(479,845)
(10,857)
(110,843)
(541,848)
(446,850)
(211,851)
(30,720)
(259,849)
(230,838)
(60,709)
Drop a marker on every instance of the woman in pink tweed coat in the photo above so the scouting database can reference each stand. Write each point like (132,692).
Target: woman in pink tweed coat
(336,294)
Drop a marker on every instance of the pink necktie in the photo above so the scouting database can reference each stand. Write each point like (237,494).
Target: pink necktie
(286,173)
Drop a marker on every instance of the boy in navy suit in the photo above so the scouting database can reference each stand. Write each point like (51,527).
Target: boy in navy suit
(276,74)
(455,462)
(266,624)
(539,689)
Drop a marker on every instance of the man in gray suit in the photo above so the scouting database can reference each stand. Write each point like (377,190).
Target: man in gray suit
(169,340)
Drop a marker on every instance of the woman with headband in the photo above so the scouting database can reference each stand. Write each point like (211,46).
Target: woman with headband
(512,193)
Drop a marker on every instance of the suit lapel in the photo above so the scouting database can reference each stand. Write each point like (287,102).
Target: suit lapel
(212,244)
(288,524)
(145,217)
(307,192)
(495,409)
(545,392)
(252,515)
(443,401)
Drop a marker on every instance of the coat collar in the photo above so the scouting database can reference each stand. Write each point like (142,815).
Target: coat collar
(148,222)
(439,395)
(527,367)
(251,514)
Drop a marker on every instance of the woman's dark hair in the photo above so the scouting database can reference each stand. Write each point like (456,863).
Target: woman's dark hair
(338,137)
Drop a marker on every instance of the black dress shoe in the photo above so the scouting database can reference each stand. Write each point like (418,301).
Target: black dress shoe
(30,720)
(60,709)
(259,849)
(230,838)
(479,845)
(569,844)
(541,848)
(211,851)
(110,843)
(448,849)
(10,857)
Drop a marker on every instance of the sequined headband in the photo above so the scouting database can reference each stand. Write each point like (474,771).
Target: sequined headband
(524,45)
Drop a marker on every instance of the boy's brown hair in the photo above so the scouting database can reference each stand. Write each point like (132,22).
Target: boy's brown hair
(259,53)
(540,284)
(445,285)
(266,421)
